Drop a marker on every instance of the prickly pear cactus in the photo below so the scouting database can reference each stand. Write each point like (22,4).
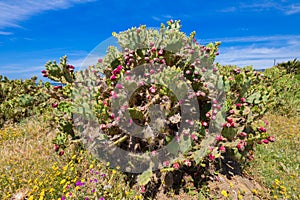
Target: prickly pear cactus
(159,102)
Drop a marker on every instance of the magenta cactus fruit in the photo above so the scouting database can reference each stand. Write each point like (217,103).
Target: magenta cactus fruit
(152,89)
(271,138)
(265,141)
(176,165)
(113,78)
(239,105)
(61,153)
(243,100)
(222,149)
(219,138)
(103,126)
(56,147)
(208,115)
(262,129)
(188,163)
(70,67)
(205,124)
(243,134)
(55,105)
(57,87)
(229,120)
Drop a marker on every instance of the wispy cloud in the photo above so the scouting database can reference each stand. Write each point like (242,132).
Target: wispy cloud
(5,33)
(229,9)
(283,6)
(14,11)
(162,17)
(259,54)
(156,18)
(19,70)
(293,9)
(253,39)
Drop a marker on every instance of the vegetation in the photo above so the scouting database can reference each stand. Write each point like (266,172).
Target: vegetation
(173,73)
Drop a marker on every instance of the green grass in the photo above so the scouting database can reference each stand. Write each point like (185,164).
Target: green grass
(277,165)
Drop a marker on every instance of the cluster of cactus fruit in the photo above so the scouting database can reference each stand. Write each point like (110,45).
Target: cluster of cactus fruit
(123,87)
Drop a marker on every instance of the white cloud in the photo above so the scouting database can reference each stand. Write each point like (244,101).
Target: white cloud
(19,70)
(229,9)
(293,10)
(261,54)
(5,33)
(14,11)
(156,18)
(254,39)
(283,6)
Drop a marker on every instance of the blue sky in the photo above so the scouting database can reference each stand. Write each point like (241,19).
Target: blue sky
(252,32)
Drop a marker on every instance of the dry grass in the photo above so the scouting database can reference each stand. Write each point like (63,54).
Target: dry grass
(25,151)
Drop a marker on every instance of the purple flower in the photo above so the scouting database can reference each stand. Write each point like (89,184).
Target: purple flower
(63,198)
(93,190)
(79,183)
(86,198)
(102,198)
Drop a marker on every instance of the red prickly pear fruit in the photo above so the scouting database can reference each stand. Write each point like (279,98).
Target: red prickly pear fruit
(271,138)
(229,120)
(44,71)
(259,142)
(112,116)
(152,89)
(227,125)
(70,67)
(45,75)
(113,77)
(262,129)
(207,115)
(240,146)
(54,105)
(265,141)
(222,149)
(219,138)
(243,134)
(238,105)
(57,87)
(205,124)
(56,147)
(100,60)
(176,166)
(103,126)
(243,100)
(61,153)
